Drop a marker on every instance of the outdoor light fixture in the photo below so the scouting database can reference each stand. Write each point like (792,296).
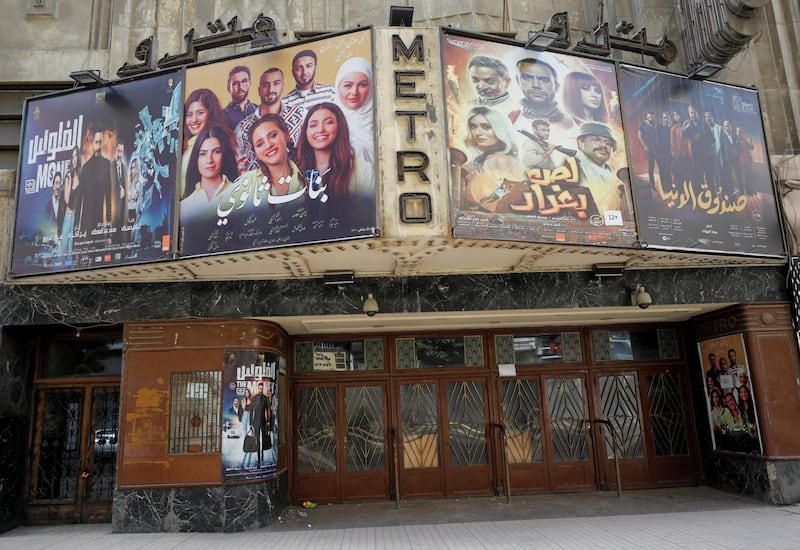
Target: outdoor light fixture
(370,305)
(89,77)
(338,277)
(704,70)
(264,32)
(415,208)
(540,40)
(554,34)
(608,270)
(401,16)
(640,297)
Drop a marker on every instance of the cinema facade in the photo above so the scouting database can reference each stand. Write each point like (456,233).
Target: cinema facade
(456,327)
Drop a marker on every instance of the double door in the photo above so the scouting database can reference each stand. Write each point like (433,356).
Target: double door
(354,443)
(572,432)
(547,433)
(73,467)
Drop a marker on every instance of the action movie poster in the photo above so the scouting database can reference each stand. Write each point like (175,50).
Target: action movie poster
(279,148)
(729,392)
(249,415)
(97,177)
(699,166)
(536,146)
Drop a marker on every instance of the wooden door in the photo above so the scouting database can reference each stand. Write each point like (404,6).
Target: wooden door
(444,438)
(341,444)
(74,459)
(569,454)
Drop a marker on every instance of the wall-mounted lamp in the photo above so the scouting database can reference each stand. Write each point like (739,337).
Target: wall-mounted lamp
(264,32)
(338,277)
(401,16)
(554,34)
(415,208)
(608,270)
(704,70)
(90,77)
(370,306)
(640,297)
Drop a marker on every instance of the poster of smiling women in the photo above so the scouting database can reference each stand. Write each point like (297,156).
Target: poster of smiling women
(97,177)
(536,145)
(279,148)
(699,167)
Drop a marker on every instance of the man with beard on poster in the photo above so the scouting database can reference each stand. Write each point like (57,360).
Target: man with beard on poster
(701,146)
(261,420)
(539,84)
(595,145)
(95,189)
(489,78)
(119,179)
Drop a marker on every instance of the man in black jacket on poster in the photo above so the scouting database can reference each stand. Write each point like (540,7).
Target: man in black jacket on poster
(261,420)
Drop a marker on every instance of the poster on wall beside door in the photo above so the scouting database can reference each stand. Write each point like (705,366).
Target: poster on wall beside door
(732,414)
(249,415)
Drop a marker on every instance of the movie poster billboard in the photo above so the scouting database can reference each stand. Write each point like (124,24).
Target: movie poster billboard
(729,394)
(97,177)
(249,415)
(699,167)
(536,145)
(279,148)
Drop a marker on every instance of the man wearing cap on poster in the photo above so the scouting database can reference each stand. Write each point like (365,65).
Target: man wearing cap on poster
(596,143)
(307,92)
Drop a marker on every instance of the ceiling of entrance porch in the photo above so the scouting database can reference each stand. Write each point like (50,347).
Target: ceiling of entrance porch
(399,257)
(359,323)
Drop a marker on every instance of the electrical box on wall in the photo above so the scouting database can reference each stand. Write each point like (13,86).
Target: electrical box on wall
(41,8)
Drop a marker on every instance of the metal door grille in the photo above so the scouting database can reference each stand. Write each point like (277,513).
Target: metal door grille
(195,408)
(619,400)
(57,461)
(567,421)
(666,414)
(420,424)
(522,421)
(365,431)
(316,429)
(105,408)
(467,423)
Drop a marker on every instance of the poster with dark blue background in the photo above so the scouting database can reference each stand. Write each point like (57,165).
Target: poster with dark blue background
(96,180)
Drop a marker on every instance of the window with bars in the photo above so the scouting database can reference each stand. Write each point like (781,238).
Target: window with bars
(194,415)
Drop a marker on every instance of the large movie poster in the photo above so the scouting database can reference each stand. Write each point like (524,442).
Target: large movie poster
(97,177)
(729,392)
(699,167)
(536,145)
(279,148)
(249,415)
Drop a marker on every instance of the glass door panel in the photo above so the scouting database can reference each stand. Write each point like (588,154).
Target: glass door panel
(569,456)
(316,429)
(466,423)
(419,414)
(74,459)
(366,445)
(619,404)
(57,461)
(524,439)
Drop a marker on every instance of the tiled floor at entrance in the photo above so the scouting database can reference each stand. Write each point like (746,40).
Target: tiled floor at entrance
(696,517)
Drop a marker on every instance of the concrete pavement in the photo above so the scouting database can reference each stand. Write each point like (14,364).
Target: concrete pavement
(696,517)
